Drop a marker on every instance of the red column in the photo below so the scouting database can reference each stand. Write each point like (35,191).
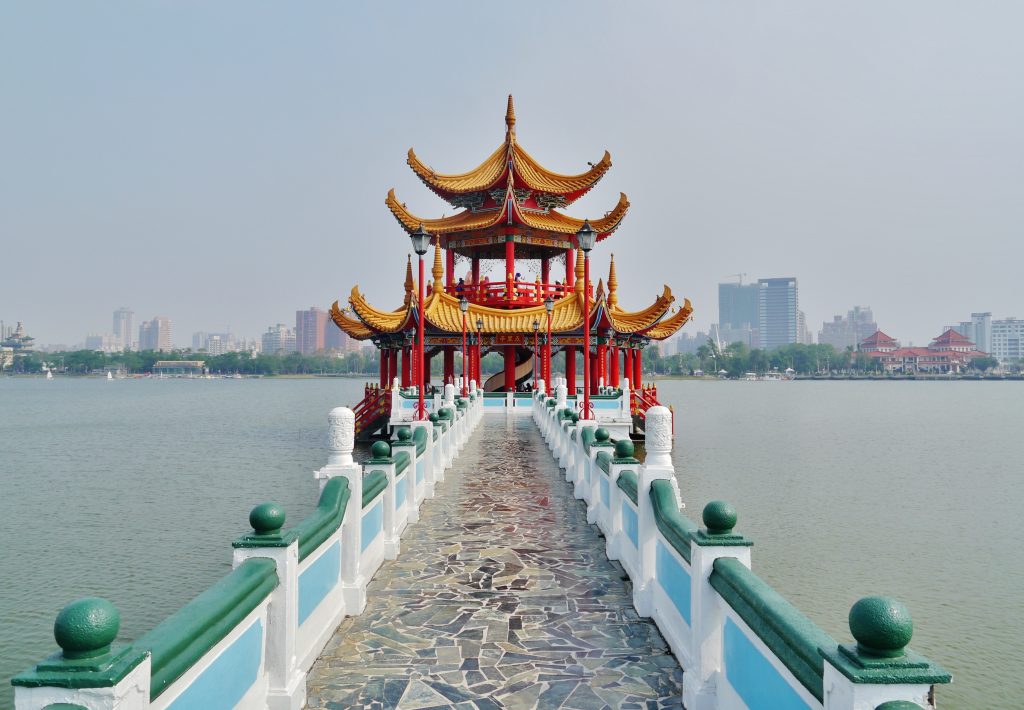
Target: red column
(613,360)
(478,371)
(628,366)
(414,369)
(449,365)
(570,369)
(602,363)
(510,368)
(510,266)
(406,367)
(392,365)
(570,267)
(449,268)
(545,275)
(476,271)
(384,367)
(594,372)
(638,369)
(426,369)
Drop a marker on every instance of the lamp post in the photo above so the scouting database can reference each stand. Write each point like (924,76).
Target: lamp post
(586,237)
(479,353)
(536,351)
(549,306)
(420,241)
(464,306)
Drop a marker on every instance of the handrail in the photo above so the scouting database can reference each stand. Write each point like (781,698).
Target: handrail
(604,461)
(524,293)
(401,461)
(791,636)
(181,639)
(677,529)
(627,483)
(323,523)
(373,484)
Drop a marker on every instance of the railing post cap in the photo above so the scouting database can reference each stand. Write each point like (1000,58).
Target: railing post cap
(433,417)
(624,449)
(882,626)
(404,434)
(719,517)
(380,450)
(267,518)
(85,628)
(601,435)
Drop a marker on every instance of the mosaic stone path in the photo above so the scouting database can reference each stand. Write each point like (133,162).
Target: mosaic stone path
(501,597)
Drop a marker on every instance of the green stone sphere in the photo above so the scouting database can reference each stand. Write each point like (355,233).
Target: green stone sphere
(575,418)
(266,518)
(719,517)
(86,628)
(881,625)
(602,434)
(433,417)
(624,449)
(404,434)
(380,450)
(898,705)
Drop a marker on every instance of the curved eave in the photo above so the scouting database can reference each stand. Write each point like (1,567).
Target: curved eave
(377,320)
(483,177)
(670,326)
(350,326)
(442,312)
(564,224)
(635,321)
(462,222)
(572,187)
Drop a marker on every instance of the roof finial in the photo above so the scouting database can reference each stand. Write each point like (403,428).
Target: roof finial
(438,270)
(510,117)
(578,285)
(613,285)
(409,283)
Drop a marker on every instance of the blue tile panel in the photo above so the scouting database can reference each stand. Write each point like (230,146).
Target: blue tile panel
(630,523)
(223,684)
(317,581)
(401,490)
(373,523)
(674,579)
(753,677)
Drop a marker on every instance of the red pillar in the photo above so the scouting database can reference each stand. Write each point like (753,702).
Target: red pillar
(545,274)
(449,269)
(414,369)
(449,365)
(510,368)
(594,369)
(510,268)
(602,363)
(384,367)
(478,372)
(392,365)
(628,366)
(570,267)
(476,271)
(638,369)
(613,361)
(570,369)
(406,367)
(426,369)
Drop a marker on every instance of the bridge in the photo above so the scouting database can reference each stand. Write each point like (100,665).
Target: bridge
(495,555)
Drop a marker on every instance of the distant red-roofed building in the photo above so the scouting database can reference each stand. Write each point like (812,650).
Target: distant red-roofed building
(949,352)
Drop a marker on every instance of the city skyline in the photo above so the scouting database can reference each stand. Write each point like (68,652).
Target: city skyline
(879,163)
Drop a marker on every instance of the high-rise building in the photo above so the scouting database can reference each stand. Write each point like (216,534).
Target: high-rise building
(156,335)
(310,327)
(738,313)
(778,312)
(103,343)
(123,328)
(278,339)
(336,339)
(1007,340)
(849,330)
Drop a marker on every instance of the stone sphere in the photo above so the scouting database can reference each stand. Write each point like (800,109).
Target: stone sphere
(575,418)
(404,434)
(266,518)
(86,628)
(719,517)
(624,449)
(602,434)
(380,450)
(882,626)
(433,417)
(898,705)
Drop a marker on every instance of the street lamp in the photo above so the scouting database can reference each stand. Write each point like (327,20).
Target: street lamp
(549,306)
(536,351)
(464,307)
(586,237)
(420,241)
(479,354)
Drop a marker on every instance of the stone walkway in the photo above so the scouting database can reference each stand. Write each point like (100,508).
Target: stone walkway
(502,597)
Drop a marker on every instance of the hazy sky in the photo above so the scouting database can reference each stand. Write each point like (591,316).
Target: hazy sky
(226,163)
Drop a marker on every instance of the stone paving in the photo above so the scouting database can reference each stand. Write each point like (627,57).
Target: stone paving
(501,597)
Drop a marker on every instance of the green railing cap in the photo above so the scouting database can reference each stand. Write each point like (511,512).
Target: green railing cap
(380,452)
(719,520)
(404,434)
(86,628)
(624,451)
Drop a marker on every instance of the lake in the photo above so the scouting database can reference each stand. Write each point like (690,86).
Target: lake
(134,489)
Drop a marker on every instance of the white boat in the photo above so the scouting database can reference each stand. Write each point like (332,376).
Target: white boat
(110,375)
(49,375)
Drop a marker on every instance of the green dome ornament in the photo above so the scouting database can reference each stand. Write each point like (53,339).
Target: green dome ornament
(86,628)
(624,449)
(380,450)
(882,626)
(404,434)
(267,518)
(719,517)
(601,435)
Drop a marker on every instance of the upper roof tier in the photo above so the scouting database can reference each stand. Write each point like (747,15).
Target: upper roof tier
(509,194)
(527,173)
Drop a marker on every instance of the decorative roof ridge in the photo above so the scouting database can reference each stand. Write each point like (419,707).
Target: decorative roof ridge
(669,326)
(351,326)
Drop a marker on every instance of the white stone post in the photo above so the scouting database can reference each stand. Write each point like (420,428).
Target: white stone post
(287,681)
(582,460)
(340,442)
(627,406)
(658,466)
(428,456)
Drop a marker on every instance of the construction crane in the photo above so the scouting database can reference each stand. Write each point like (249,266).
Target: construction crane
(737,276)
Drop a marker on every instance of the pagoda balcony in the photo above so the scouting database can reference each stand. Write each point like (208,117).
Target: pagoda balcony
(525,294)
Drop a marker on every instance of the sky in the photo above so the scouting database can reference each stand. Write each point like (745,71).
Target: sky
(225,164)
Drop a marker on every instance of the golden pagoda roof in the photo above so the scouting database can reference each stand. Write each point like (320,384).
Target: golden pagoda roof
(441,311)
(468,220)
(527,172)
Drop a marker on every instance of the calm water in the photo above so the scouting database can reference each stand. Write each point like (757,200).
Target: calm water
(134,489)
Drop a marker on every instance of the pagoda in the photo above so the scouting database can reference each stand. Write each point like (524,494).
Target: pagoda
(509,212)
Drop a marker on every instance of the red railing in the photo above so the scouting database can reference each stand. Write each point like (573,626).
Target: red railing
(376,403)
(524,293)
(645,398)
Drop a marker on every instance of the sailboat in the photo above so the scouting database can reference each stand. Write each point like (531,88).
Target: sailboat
(49,374)
(110,375)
